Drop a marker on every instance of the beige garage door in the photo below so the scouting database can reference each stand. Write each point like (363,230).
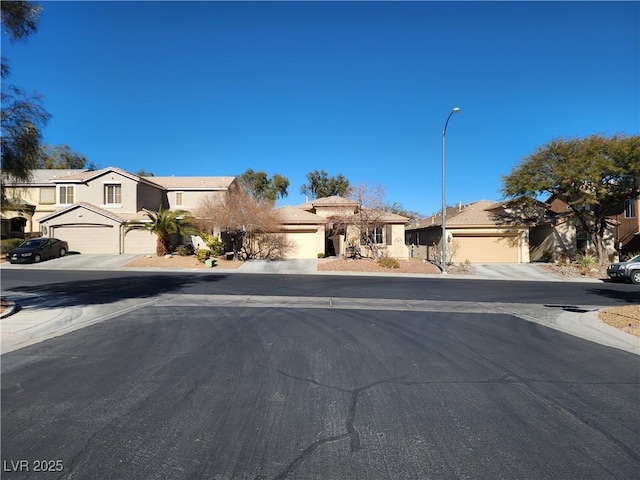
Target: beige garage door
(140,241)
(485,249)
(89,239)
(304,245)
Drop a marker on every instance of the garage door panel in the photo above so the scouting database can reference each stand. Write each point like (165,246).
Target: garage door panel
(485,249)
(89,238)
(140,241)
(304,245)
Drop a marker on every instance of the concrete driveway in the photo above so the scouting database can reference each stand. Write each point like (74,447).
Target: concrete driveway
(291,266)
(78,261)
(518,271)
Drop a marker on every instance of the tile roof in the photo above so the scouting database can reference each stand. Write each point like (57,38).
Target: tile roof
(204,183)
(332,201)
(390,217)
(289,215)
(172,182)
(85,175)
(475,214)
(44,176)
(481,212)
(88,206)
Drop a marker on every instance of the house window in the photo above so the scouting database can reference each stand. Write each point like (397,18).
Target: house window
(47,195)
(373,235)
(178,199)
(388,234)
(582,240)
(630,208)
(65,195)
(113,194)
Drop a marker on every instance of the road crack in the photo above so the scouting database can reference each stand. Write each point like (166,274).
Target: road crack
(349,424)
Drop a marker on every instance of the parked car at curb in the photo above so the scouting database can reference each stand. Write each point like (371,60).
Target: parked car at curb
(37,249)
(626,271)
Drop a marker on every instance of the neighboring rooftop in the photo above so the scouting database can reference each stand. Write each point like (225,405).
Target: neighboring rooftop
(49,176)
(174,182)
(477,213)
(295,215)
(43,176)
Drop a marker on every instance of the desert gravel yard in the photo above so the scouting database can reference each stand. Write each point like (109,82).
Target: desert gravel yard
(625,318)
(411,265)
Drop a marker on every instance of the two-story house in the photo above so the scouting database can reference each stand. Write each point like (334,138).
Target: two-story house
(89,209)
(28,202)
(627,226)
(565,234)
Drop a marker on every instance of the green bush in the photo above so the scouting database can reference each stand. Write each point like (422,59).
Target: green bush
(547,256)
(215,244)
(586,262)
(388,262)
(9,243)
(202,254)
(321,255)
(184,250)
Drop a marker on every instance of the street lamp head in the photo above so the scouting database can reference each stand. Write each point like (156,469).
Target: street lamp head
(456,109)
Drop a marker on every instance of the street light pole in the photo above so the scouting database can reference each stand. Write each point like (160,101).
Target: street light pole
(444,200)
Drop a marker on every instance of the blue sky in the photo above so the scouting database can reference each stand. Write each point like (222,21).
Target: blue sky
(358,88)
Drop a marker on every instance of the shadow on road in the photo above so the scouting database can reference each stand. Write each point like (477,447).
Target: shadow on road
(569,308)
(109,290)
(626,296)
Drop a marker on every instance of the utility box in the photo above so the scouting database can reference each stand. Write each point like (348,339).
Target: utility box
(209,262)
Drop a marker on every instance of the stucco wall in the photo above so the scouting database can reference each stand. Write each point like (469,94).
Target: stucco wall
(191,198)
(149,197)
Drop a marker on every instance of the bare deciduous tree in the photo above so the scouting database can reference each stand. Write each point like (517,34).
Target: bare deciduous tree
(248,223)
(365,225)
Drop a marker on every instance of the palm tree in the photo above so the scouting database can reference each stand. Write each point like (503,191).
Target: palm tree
(164,223)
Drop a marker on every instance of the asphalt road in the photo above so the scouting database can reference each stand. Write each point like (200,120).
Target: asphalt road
(103,287)
(319,378)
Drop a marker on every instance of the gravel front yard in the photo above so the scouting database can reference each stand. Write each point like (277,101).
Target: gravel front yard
(411,265)
(625,318)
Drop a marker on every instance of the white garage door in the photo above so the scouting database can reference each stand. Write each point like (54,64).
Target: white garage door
(140,241)
(483,249)
(89,239)
(304,245)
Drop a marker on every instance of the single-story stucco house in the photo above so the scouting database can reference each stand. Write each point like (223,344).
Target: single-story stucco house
(501,232)
(331,225)
(475,232)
